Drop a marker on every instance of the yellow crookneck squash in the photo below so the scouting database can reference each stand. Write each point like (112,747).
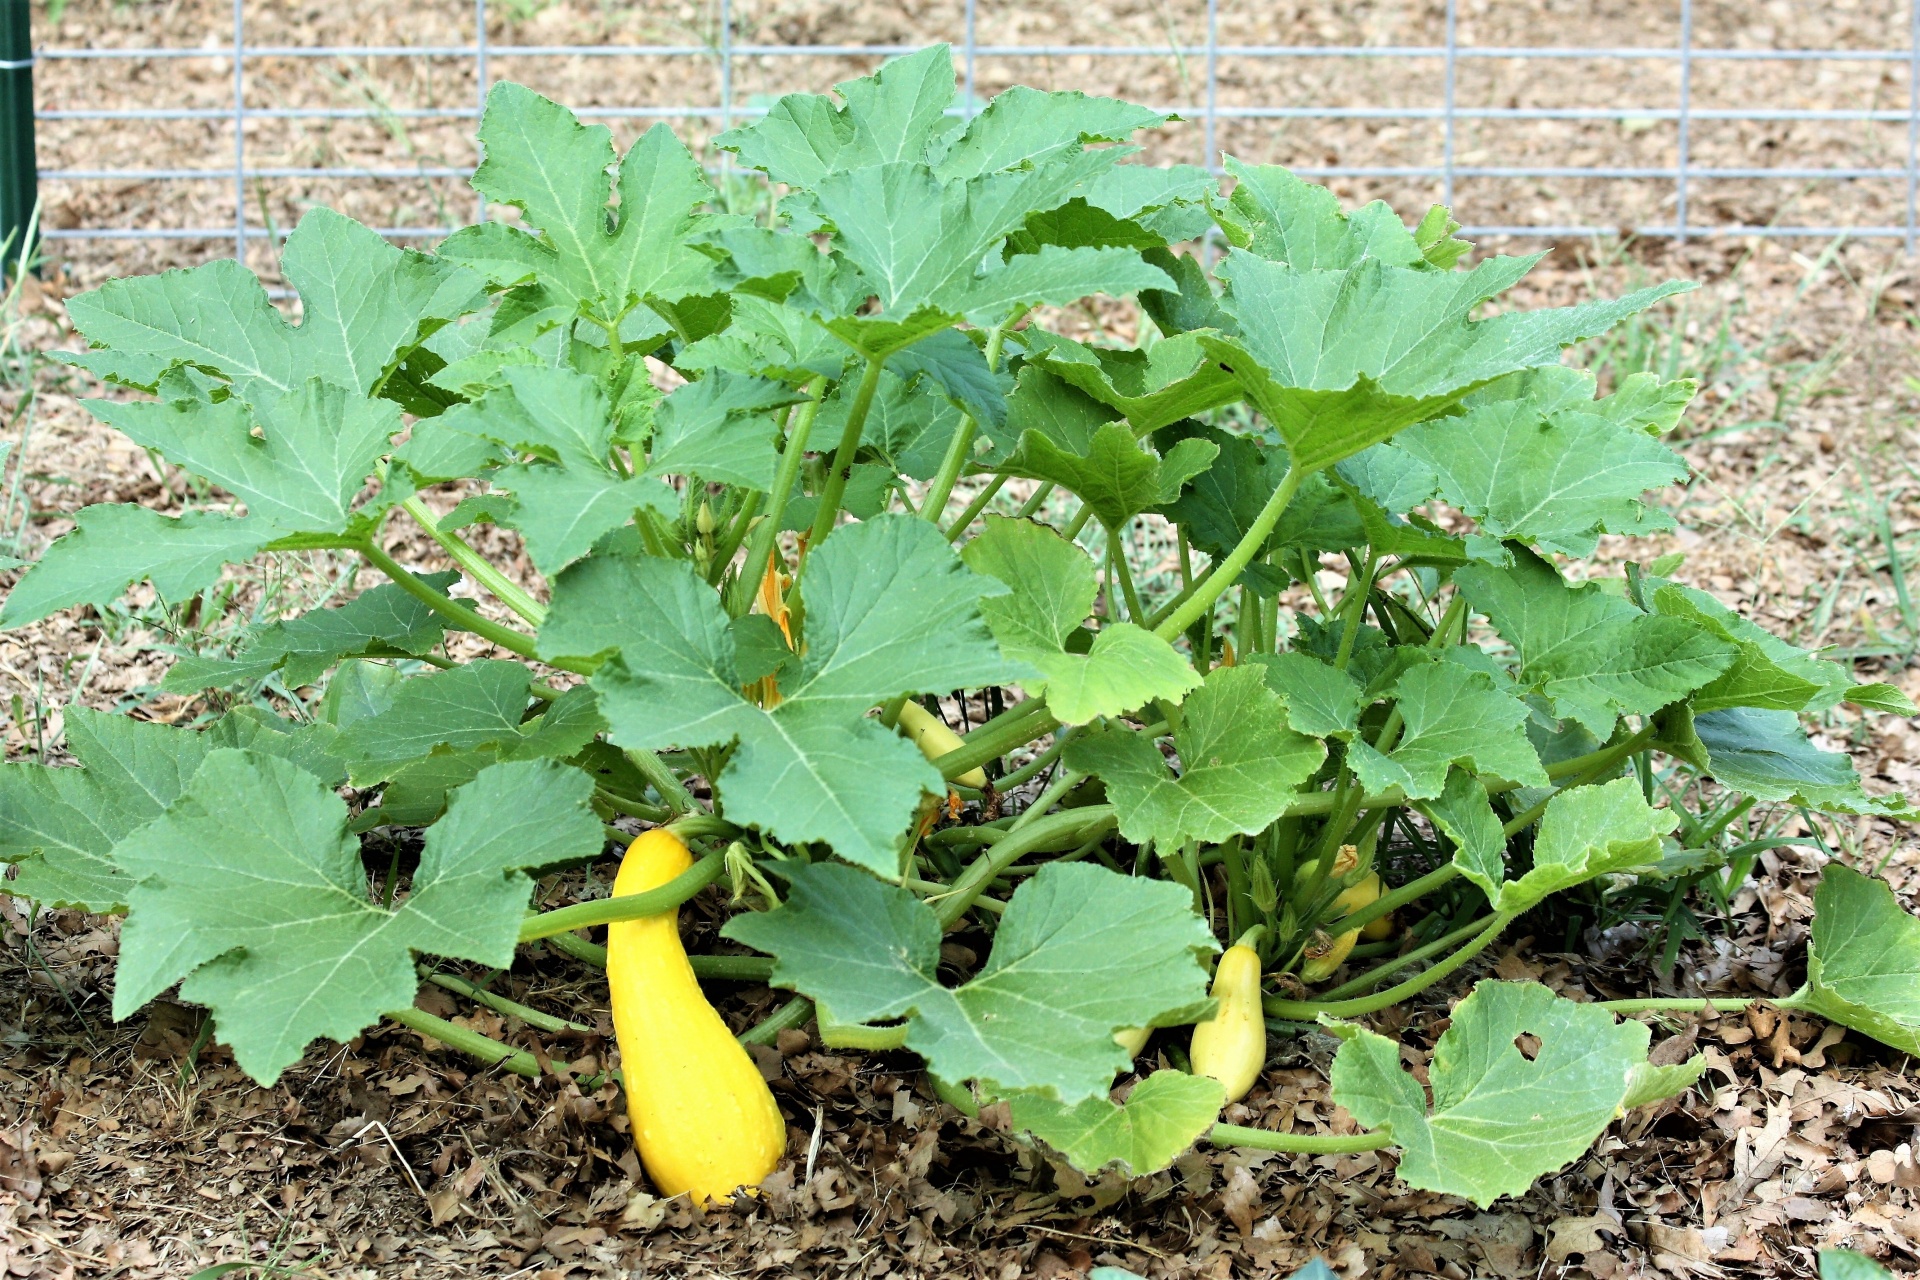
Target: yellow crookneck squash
(703,1118)
(1231,1046)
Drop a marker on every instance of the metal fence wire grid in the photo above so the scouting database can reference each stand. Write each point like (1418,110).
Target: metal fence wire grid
(1447,168)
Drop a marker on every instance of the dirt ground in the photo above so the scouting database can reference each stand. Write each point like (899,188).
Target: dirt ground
(123,1154)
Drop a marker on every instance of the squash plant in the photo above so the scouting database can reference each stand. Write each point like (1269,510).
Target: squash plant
(746,579)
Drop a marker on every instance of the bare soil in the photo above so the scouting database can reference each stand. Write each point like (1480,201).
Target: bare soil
(390,1157)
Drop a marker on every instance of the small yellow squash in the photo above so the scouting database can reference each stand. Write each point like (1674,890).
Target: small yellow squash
(935,740)
(1231,1046)
(703,1118)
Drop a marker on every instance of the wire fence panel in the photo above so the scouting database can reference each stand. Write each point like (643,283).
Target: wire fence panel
(1529,117)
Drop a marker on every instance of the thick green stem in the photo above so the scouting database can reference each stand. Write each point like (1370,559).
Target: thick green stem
(1117,556)
(1033,503)
(760,544)
(462,617)
(1011,848)
(960,446)
(794,1013)
(1357,592)
(632,808)
(836,486)
(1310,1010)
(477,566)
(993,740)
(1375,976)
(1039,762)
(733,535)
(1186,593)
(471,1043)
(1679,1004)
(673,792)
(1311,1144)
(1239,558)
(974,508)
(1078,523)
(843,1035)
(1600,763)
(500,1004)
(628,906)
(716,968)
(1411,891)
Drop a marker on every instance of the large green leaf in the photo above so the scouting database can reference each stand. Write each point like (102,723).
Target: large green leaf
(1239,765)
(1174,379)
(384,621)
(577,254)
(1585,832)
(1593,655)
(1051,588)
(251,893)
(1322,700)
(920,241)
(114,546)
(1767,755)
(479,707)
(1536,458)
(1766,672)
(899,113)
(1080,953)
(1500,1117)
(1451,715)
(363,305)
(1845,1264)
(889,609)
(1284,218)
(1164,1115)
(1863,960)
(1465,816)
(61,824)
(1113,473)
(301,471)
(1338,360)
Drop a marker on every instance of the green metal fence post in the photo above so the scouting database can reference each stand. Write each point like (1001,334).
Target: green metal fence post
(19,181)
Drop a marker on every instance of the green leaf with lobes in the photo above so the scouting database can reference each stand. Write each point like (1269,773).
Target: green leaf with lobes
(1051,588)
(1767,755)
(889,609)
(1322,700)
(481,705)
(1500,1117)
(1863,959)
(62,824)
(1282,217)
(1239,765)
(1585,832)
(113,546)
(298,459)
(1465,816)
(363,305)
(578,254)
(1452,716)
(1536,458)
(1176,378)
(1162,1117)
(1593,655)
(1314,358)
(1114,474)
(250,892)
(1040,1015)
(383,621)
